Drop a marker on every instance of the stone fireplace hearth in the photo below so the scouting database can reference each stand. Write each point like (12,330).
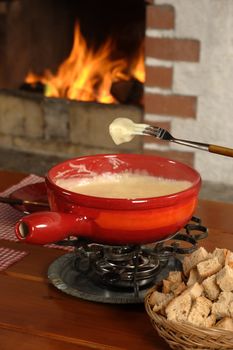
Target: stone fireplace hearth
(61,127)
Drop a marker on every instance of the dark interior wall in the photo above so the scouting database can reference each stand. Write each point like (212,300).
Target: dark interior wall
(35,34)
(123,20)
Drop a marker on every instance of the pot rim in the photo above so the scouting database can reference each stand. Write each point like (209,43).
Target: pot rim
(123,203)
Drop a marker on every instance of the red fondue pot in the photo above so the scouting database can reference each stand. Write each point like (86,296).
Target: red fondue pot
(111,220)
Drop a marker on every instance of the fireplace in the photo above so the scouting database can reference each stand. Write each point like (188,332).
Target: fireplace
(80,46)
(43,42)
(30,120)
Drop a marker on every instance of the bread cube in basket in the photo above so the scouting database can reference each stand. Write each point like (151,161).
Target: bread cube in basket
(193,309)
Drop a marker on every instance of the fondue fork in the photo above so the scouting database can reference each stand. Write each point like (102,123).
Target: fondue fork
(165,135)
(17,201)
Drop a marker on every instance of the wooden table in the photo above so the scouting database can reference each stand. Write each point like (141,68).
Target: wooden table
(35,315)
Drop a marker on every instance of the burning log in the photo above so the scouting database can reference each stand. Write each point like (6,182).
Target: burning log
(128,91)
(37,87)
(88,75)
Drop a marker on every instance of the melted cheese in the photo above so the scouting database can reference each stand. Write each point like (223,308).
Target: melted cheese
(124,185)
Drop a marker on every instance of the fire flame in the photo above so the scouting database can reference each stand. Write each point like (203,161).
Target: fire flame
(87,74)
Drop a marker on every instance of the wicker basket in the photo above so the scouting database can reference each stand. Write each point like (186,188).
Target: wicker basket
(184,336)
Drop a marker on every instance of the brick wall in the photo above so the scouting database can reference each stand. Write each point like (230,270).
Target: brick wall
(162,49)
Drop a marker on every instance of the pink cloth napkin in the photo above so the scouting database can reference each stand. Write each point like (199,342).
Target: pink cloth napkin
(8,218)
(8,215)
(10,256)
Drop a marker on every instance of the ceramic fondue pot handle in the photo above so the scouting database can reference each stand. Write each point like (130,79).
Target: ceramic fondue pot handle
(47,227)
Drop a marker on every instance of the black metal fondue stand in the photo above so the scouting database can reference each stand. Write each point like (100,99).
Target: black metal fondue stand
(121,274)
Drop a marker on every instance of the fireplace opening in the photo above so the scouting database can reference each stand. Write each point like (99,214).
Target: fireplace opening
(39,36)
(80,50)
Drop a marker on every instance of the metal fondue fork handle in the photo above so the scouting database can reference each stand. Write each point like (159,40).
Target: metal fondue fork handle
(165,135)
(17,201)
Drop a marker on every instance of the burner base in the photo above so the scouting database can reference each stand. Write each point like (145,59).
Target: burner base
(64,276)
(122,274)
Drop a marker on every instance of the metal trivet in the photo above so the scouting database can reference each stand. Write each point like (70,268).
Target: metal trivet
(121,274)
